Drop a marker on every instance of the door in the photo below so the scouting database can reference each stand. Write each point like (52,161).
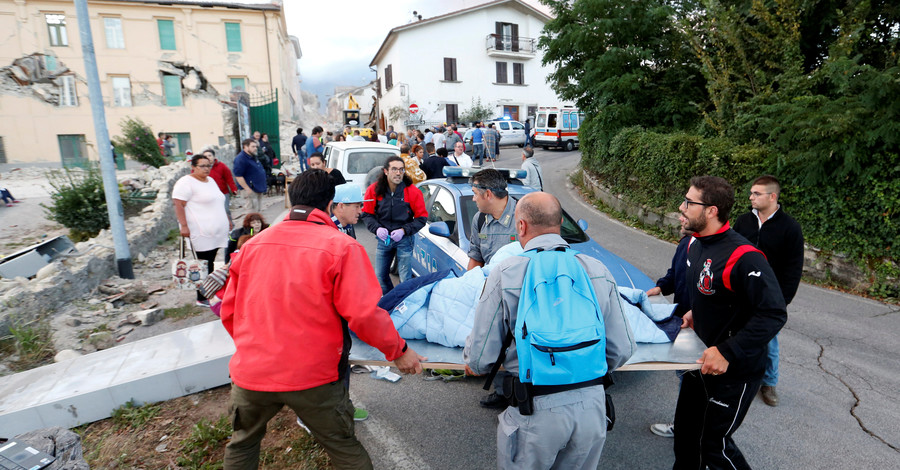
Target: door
(433,253)
(73,151)
(511,112)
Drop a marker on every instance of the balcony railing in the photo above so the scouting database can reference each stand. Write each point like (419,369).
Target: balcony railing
(519,46)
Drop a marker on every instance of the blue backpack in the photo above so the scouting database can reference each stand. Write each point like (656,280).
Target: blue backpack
(560,335)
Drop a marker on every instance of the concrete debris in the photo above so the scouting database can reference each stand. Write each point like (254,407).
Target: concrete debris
(37,75)
(136,294)
(102,340)
(125,331)
(192,79)
(150,316)
(59,442)
(73,322)
(66,354)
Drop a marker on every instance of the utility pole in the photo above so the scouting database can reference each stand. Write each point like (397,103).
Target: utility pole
(107,165)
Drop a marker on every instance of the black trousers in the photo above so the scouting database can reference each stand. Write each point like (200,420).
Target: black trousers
(210,257)
(707,414)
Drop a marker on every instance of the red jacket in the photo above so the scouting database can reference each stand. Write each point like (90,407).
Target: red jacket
(292,291)
(223,177)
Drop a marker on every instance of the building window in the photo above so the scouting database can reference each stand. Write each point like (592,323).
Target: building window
(233,37)
(388,78)
(518,73)
(56,25)
(166,34)
(172,90)
(452,113)
(501,72)
(50,62)
(67,95)
(2,151)
(114,37)
(121,91)
(182,142)
(238,82)
(449,69)
(73,150)
(507,36)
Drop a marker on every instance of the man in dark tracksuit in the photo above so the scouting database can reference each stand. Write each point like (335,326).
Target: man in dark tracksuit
(780,238)
(736,309)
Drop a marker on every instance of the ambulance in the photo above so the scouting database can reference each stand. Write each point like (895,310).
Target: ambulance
(557,127)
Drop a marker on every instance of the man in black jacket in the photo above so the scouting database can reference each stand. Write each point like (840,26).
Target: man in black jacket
(780,238)
(736,309)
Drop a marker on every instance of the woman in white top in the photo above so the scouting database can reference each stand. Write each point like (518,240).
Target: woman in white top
(200,209)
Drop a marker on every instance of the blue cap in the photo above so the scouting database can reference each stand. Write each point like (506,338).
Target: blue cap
(348,193)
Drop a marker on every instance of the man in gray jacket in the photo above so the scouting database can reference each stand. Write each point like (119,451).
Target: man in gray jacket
(572,434)
(535,176)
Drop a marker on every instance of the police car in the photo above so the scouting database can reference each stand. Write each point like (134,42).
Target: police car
(444,242)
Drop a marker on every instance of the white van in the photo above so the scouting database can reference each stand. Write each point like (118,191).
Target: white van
(511,132)
(557,127)
(356,159)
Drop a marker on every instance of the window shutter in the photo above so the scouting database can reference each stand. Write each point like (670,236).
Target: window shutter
(498,41)
(388,77)
(172,89)
(166,34)
(501,72)
(453,67)
(448,72)
(233,37)
(515,37)
(518,74)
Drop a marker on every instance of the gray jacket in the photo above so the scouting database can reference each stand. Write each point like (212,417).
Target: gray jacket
(495,313)
(535,176)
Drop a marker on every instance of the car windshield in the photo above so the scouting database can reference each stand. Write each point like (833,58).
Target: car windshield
(570,231)
(360,163)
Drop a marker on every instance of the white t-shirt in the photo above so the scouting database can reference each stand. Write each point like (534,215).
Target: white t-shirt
(439,140)
(204,211)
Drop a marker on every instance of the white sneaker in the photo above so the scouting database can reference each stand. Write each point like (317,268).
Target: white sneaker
(300,423)
(663,429)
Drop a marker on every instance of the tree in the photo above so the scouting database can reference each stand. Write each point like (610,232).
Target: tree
(138,142)
(476,112)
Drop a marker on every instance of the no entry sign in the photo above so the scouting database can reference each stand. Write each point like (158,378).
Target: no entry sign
(413,108)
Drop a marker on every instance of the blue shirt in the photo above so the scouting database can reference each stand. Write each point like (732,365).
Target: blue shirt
(251,170)
(477,136)
(311,147)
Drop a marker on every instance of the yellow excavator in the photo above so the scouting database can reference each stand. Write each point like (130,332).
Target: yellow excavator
(351,120)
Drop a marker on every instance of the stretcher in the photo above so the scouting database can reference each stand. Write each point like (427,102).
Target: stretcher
(680,354)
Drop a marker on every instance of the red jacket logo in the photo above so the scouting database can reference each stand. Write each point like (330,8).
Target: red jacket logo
(704,285)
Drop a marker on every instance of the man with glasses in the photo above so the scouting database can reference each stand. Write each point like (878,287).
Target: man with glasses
(780,238)
(493,227)
(736,309)
(394,211)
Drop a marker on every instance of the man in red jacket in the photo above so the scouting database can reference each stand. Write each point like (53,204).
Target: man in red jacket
(294,292)
(221,174)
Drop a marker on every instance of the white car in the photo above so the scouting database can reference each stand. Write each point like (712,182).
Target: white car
(511,132)
(356,159)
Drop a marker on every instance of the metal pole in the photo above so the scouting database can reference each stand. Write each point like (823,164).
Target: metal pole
(107,165)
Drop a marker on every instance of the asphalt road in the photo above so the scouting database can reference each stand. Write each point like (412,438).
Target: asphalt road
(839,384)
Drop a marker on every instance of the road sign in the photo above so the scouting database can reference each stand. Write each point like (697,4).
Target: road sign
(413,108)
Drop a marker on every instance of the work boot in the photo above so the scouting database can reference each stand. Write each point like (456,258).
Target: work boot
(494,402)
(769,395)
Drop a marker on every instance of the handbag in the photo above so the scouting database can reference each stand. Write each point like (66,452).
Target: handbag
(188,273)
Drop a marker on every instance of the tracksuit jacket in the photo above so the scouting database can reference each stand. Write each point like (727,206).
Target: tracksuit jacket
(293,290)
(404,208)
(736,301)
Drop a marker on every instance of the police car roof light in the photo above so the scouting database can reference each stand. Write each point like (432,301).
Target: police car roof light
(458,172)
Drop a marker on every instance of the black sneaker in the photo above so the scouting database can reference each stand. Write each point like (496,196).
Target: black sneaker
(494,402)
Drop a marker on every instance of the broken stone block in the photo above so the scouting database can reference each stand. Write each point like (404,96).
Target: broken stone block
(73,322)
(150,316)
(141,258)
(135,294)
(47,271)
(102,340)
(125,331)
(108,290)
(94,301)
(66,354)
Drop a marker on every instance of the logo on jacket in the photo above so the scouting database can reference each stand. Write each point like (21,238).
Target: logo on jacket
(754,274)
(704,285)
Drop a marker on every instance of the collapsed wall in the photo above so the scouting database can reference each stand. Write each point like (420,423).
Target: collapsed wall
(72,276)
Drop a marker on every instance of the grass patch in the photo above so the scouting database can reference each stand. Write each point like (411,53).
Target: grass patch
(185,311)
(171,237)
(131,415)
(204,439)
(32,343)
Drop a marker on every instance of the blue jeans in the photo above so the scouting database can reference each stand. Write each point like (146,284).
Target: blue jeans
(384,254)
(479,153)
(304,163)
(771,376)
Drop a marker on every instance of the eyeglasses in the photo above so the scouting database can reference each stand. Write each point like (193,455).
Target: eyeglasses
(395,169)
(204,166)
(688,202)
(758,194)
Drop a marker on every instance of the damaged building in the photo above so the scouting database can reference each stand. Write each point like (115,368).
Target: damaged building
(175,64)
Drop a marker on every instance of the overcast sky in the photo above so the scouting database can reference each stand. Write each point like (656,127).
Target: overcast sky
(339,38)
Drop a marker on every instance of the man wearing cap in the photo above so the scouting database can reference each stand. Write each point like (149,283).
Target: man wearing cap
(347,207)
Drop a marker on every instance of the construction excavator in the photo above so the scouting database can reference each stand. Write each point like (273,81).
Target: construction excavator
(351,120)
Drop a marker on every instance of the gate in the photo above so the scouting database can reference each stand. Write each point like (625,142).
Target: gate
(264,117)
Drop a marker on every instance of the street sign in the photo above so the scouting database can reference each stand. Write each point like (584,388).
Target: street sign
(413,108)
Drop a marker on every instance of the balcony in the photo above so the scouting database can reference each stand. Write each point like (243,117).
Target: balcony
(511,47)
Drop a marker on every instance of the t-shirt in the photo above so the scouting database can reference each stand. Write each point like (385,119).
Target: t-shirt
(311,146)
(251,170)
(204,211)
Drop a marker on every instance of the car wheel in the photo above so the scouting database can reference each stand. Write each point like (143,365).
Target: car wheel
(570,146)
(545,147)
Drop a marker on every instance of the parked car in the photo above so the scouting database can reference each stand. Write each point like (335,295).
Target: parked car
(511,132)
(356,159)
(444,242)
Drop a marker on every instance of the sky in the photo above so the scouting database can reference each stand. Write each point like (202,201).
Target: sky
(339,45)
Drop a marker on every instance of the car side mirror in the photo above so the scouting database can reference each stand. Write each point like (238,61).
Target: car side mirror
(440,229)
(583,224)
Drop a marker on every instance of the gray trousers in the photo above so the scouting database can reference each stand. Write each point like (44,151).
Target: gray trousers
(568,436)
(254,201)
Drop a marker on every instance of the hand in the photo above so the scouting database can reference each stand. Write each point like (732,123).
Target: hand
(397,235)
(654,291)
(410,362)
(185,231)
(713,362)
(687,321)
(471,372)
(381,233)
(230,225)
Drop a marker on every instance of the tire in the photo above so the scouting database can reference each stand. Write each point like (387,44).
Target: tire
(570,146)
(545,147)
